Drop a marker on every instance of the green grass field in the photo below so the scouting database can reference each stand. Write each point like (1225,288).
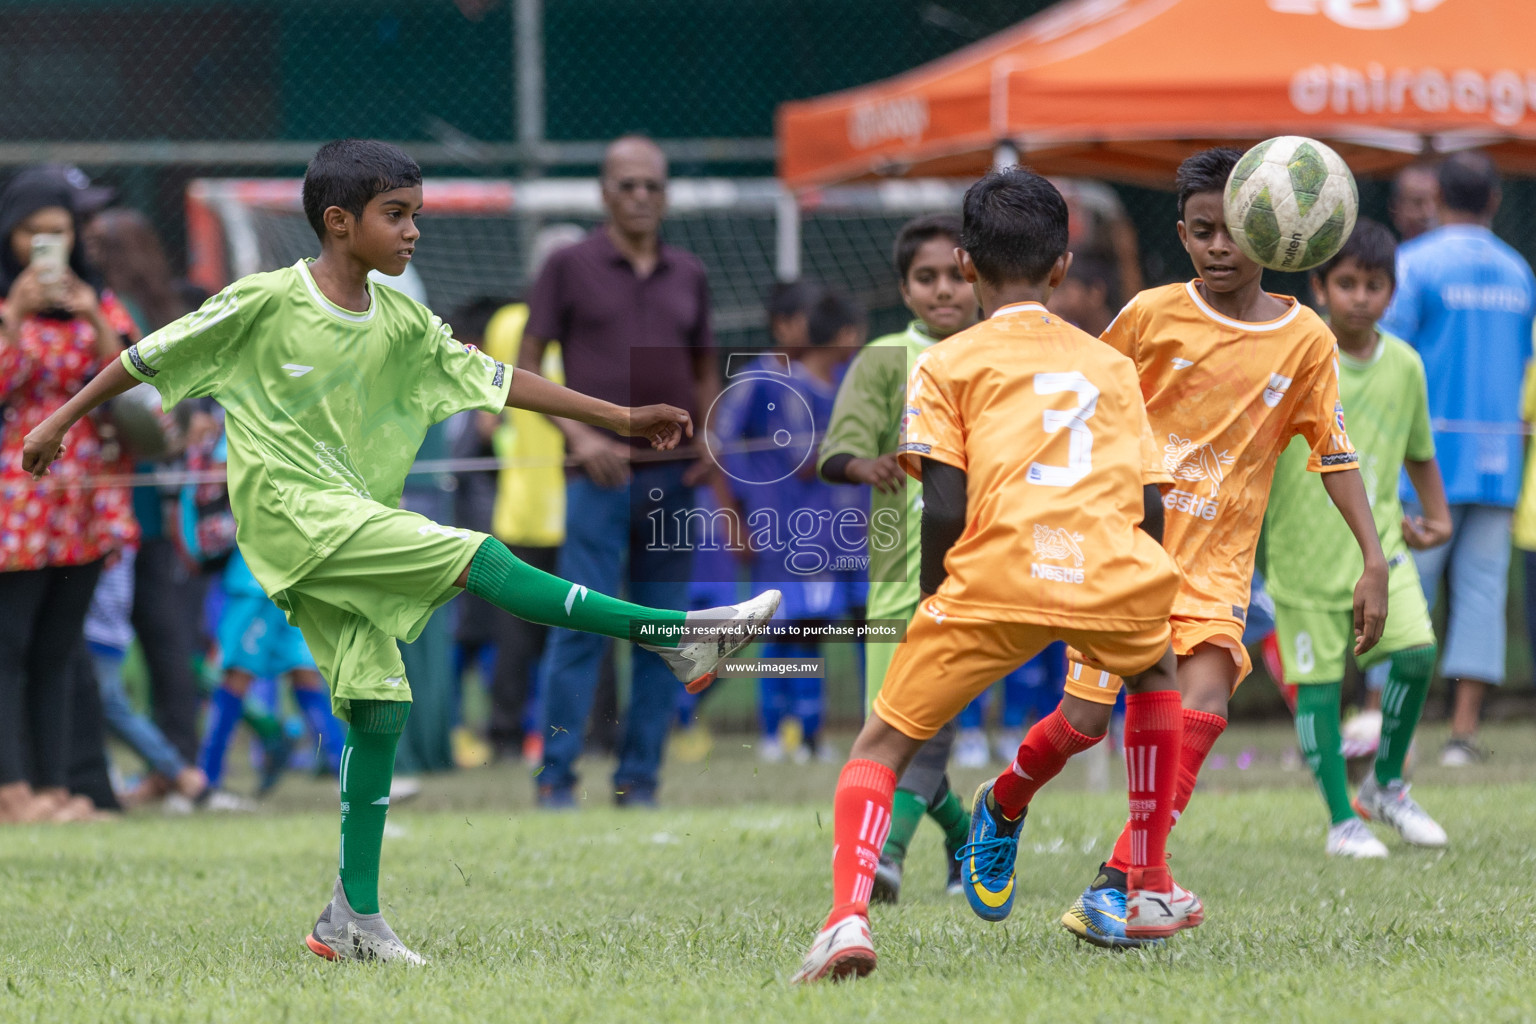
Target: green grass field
(700,910)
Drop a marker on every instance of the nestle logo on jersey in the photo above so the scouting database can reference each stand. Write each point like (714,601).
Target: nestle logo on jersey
(1194,504)
(1055,543)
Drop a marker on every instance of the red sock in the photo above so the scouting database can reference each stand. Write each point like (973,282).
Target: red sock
(1153,738)
(861,819)
(1045,750)
(1201,729)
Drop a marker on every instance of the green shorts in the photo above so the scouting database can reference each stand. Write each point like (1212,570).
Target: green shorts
(380,585)
(1315,642)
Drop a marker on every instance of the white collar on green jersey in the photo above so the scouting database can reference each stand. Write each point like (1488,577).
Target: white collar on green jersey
(344,315)
(1356,363)
(918,331)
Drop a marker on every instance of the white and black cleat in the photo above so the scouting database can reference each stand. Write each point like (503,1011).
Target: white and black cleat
(844,950)
(696,661)
(342,934)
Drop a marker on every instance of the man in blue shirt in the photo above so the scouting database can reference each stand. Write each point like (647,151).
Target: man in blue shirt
(1466,301)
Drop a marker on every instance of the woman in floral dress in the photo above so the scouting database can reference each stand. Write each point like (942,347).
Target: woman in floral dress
(55,534)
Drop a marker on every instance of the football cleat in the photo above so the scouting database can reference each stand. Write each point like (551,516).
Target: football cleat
(1098,916)
(841,950)
(887,888)
(1391,805)
(342,934)
(697,661)
(1188,906)
(1352,839)
(1157,915)
(988,857)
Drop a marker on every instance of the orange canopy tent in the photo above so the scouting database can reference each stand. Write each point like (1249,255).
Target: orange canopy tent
(1124,89)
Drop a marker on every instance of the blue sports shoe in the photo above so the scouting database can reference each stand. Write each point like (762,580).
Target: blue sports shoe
(986,861)
(1098,916)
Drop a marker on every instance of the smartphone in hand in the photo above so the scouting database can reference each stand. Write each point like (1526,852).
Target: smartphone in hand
(50,256)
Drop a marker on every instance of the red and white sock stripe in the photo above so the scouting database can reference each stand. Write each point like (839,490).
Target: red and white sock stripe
(1141,768)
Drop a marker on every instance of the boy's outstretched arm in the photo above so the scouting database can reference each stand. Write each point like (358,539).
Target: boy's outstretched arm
(663,425)
(1347,493)
(1433,528)
(45,442)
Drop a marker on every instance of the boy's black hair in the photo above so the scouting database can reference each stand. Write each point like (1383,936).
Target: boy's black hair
(1091,268)
(1014,226)
(1206,171)
(470,320)
(916,233)
(350,172)
(832,313)
(1372,246)
(791,298)
(1468,182)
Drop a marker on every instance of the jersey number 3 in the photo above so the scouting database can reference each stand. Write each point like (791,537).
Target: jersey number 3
(1075,420)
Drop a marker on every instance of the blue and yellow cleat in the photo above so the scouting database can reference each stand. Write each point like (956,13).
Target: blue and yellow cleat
(987,858)
(1098,916)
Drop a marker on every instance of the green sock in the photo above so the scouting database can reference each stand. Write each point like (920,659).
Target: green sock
(513,585)
(262,724)
(367,766)
(1402,701)
(906,811)
(1317,729)
(952,816)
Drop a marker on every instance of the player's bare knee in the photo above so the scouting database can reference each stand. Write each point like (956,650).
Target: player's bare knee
(1208,694)
(1162,676)
(1087,717)
(884,744)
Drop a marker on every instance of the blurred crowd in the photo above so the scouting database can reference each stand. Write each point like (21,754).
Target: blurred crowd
(106,581)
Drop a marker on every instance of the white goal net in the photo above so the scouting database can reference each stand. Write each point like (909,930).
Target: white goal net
(477,235)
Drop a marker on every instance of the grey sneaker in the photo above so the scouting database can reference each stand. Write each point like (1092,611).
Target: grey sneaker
(887,887)
(1352,839)
(697,661)
(1391,805)
(1459,753)
(342,934)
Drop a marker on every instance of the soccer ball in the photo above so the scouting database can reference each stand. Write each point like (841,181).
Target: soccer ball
(1291,203)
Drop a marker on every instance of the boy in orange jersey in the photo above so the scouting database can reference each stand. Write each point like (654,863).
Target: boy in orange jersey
(1040,515)
(1230,374)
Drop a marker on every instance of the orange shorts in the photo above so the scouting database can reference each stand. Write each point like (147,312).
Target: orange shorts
(1087,680)
(946,661)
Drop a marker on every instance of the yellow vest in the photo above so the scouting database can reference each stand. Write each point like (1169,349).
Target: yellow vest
(530,493)
(1525,510)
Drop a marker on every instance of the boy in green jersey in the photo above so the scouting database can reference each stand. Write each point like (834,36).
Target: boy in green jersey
(859,447)
(329,384)
(1313,561)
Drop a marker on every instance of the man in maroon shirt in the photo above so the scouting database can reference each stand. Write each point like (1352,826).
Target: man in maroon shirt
(632,317)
